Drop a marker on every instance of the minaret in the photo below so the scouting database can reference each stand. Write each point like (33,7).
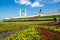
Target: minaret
(25,12)
(20,13)
(40,12)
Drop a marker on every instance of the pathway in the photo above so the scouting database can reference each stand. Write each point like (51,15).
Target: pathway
(3,35)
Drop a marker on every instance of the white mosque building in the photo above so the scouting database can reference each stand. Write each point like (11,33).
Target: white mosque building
(41,13)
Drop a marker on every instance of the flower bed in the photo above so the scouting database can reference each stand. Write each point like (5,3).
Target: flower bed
(54,23)
(50,35)
(32,18)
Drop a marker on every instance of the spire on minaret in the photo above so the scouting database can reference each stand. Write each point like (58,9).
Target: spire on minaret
(40,11)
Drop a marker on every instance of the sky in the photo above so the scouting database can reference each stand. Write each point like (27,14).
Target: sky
(10,8)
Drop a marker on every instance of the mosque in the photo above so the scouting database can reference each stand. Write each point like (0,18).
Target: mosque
(40,13)
(23,14)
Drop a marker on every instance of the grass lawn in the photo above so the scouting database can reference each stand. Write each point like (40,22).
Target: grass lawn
(30,33)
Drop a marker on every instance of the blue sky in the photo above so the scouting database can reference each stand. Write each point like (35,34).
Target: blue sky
(10,8)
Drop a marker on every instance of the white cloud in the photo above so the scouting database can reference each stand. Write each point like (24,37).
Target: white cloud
(49,1)
(36,4)
(28,2)
(16,1)
(56,0)
(53,1)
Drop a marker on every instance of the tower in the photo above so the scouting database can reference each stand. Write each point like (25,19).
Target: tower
(25,12)
(22,13)
(40,12)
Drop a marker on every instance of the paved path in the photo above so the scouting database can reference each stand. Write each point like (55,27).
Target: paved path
(3,35)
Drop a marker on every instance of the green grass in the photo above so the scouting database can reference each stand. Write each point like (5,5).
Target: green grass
(44,18)
(28,34)
(6,26)
(31,33)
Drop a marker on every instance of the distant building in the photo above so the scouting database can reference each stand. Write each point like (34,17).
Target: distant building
(7,18)
(22,13)
(40,12)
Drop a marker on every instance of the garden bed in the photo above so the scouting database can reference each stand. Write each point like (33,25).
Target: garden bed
(48,34)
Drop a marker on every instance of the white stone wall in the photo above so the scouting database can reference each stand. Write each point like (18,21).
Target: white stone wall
(50,14)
